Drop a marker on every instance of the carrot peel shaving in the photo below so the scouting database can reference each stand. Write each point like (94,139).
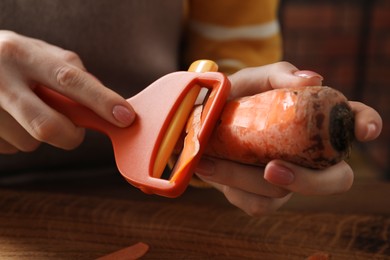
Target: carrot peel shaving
(133,252)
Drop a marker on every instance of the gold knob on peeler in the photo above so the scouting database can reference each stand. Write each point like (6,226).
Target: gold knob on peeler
(203,66)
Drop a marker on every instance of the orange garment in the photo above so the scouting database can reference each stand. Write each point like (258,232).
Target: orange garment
(234,33)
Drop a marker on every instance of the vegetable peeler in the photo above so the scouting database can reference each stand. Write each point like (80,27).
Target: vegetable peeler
(143,149)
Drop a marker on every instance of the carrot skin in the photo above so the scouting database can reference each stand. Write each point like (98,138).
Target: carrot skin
(308,126)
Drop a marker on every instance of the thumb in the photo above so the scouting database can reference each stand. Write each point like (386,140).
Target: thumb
(250,81)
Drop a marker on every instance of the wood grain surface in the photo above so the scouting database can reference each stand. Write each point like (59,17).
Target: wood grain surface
(51,225)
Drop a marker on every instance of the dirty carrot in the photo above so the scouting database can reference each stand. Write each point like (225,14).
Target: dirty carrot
(309,126)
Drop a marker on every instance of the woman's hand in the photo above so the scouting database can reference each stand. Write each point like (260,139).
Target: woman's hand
(26,121)
(259,191)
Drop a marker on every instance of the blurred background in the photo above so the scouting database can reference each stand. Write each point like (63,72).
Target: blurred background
(347,42)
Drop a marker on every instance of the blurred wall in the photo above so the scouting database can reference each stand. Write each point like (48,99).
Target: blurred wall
(347,42)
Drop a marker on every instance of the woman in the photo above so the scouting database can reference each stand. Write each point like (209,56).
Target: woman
(97,52)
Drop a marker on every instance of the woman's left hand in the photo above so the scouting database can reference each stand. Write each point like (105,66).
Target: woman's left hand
(259,191)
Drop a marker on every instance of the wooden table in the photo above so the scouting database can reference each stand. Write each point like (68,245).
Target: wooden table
(89,219)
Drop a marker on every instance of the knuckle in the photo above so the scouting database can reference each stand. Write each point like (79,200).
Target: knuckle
(44,128)
(68,77)
(255,206)
(9,98)
(347,181)
(30,146)
(9,47)
(258,207)
(48,129)
(283,64)
(70,56)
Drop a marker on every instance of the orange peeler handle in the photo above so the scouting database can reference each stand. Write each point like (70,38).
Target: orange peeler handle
(136,147)
(79,114)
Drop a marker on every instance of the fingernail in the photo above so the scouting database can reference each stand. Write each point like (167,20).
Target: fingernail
(279,175)
(123,114)
(205,167)
(308,74)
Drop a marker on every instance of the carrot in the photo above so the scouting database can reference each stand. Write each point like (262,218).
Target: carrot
(319,256)
(135,251)
(309,126)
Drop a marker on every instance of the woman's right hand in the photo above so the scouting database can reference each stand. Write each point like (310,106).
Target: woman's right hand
(26,121)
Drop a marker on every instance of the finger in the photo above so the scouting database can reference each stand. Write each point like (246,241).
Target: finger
(67,76)
(252,204)
(6,148)
(243,177)
(368,123)
(333,180)
(15,135)
(85,89)
(38,119)
(250,81)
